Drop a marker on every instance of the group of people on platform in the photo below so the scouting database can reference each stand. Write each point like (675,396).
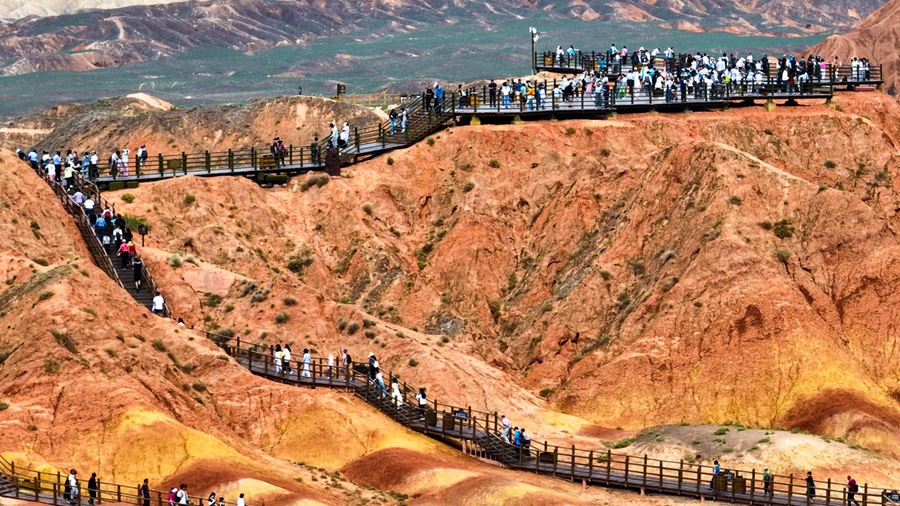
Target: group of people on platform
(62,169)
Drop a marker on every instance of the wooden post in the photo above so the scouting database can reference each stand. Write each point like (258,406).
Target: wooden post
(573,463)
(37,487)
(790,487)
(608,465)
(699,479)
(752,484)
(161,165)
(591,465)
(865,494)
(828,492)
(118,492)
(680,474)
(626,471)
(660,476)
(56,493)
(208,161)
(184,167)
(231,160)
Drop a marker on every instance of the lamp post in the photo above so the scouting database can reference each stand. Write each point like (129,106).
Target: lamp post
(535,35)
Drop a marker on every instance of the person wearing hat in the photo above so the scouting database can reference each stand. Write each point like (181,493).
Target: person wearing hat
(373,366)
(767,481)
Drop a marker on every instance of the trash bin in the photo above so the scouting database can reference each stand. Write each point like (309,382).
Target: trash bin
(739,485)
(448,422)
(720,483)
(430,418)
(548,61)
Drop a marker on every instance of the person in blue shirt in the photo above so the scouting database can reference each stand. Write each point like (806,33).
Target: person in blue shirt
(716,471)
(438,95)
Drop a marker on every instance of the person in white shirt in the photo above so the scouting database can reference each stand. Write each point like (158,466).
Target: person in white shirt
(158,302)
(240,501)
(89,206)
(396,395)
(307,358)
(379,380)
(330,365)
(278,356)
(506,424)
(286,357)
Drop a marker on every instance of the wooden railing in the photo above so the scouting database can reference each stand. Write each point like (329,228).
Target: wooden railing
(50,488)
(376,99)
(479,436)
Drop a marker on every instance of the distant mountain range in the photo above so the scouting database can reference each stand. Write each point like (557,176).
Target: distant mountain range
(98,37)
(876,38)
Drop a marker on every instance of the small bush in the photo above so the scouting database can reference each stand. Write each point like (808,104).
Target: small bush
(368,322)
(46,294)
(765,225)
(352,328)
(3,406)
(570,131)
(259,296)
(622,443)
(547,392)
(51,365)
(390,161)
(35,225)
(41,261)
(289,301)
(829,164)
(199,387)
(297,264)
(91,311)
(189,199)
(783,228)
(413,362)
(159,345)
(175,261)
(341,324)
(430,141)
(322,180)
(768,131)
(367,208)
(228,307)
(735,200)
(128,198)
(187,368)
(469,186)
(495,163)
(282,317)
(212,300)
(782,254)
(721,431)
(660,439)
(111,352)
(369,334)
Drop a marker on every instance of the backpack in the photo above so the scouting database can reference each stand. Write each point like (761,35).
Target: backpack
(349,360)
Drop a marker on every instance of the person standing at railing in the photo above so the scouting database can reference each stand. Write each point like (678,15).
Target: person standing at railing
(373,366)
(526,442)
(93,168)
(123,162)
(393,117)
(428,98)
(492,93)
(145,492)
(211,499)
(141,159)
(182,495)
(810,486)
(438,96)
(307,359)
(92,488)
(136,264)
(335,135)
(345,136)
(852,490)
(506,424)
(286,358)
(70,490)
(715,472)
(114,160)
(314,151)
(767,481)
(404,116)
(240,501)
(330,365)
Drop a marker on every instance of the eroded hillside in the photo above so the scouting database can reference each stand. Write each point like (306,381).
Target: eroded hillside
(651,269)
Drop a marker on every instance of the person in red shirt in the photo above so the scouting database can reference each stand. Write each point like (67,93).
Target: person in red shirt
(852,489)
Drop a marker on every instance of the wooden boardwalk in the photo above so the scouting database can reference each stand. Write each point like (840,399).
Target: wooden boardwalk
(478,433)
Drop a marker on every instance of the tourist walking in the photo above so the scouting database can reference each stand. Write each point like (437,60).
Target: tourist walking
(393,117)
(123,162)
(767,481)
(136,265)
(810,486)
(345,136)
(506,424)
(240,501)
(124,255)
(396,394)
(404,117)
(335,135)
(379,380)
(92,488)
(373,366)
(422,402)
(70,490)
(278,354)
(314,151)
(346,363)
(158,304)
(172,496)
(211,500)
(145,492)
(852,489)
(286,358)
(307,358)
(330,365)
(182,495)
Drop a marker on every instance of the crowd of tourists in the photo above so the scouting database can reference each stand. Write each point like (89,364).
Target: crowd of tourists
(62,168)
(177,496)
(655,73)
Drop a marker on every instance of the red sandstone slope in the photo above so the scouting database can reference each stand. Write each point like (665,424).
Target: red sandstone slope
(627,269)
(876,37)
